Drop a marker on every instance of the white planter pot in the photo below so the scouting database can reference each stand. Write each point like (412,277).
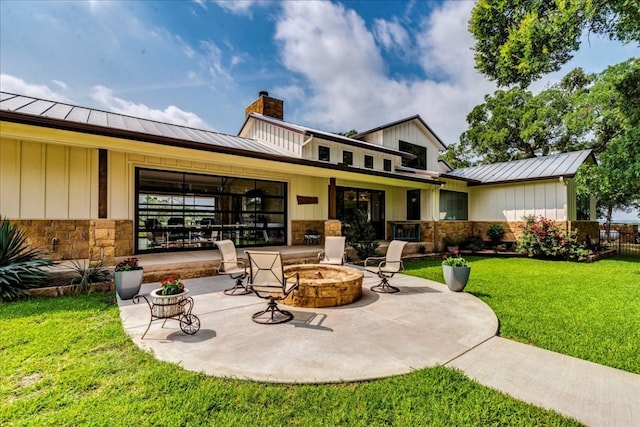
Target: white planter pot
(456,278)
(166,305)
(128,283)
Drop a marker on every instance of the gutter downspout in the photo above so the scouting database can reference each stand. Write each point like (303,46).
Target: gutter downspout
(305,143)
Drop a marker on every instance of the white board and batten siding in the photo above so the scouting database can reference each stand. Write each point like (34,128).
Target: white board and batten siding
(415,134)
(511,202)
(278,136)
(49,181)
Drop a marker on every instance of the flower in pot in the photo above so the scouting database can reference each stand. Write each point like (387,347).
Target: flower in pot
(128,278)
(171,286)
(167,300)
(456,271)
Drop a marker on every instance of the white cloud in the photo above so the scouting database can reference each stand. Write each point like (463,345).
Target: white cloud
(171,114)
(213,61)
(61,84)
(333,50)
(391,34)
(13,84)
(239,7)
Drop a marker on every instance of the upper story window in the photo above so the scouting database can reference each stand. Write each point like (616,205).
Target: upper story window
(387,165)
(368,161)
(418,158)
(324,153)
(347,158)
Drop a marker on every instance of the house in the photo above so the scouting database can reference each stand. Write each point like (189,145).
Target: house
(89,183)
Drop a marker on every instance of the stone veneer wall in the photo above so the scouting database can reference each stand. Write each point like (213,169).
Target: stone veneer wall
(298,229)
(109,238)
(432,233)
(333,227)
(71,237)
(94,239)
(584,228)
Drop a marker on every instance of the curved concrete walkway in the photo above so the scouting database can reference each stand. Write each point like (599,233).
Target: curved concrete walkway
(380,335)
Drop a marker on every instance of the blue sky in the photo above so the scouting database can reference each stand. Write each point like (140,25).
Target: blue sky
(337,65)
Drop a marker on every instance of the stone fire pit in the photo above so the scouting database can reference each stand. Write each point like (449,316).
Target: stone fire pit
(323,285)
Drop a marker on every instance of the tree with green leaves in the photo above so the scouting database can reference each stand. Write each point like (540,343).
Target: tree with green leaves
(611,112)
(515,124)
(517,41)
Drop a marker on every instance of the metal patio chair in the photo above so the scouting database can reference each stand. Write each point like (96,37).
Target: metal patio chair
(333,252)
(268,281)
(233,267)
(387,266)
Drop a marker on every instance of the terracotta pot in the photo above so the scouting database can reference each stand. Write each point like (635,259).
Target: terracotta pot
(456,278)
(128,283)
(167,305)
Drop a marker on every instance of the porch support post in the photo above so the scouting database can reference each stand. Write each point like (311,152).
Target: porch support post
(102,183)
(332,199)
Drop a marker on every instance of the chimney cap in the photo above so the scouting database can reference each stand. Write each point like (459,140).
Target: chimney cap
(263,93)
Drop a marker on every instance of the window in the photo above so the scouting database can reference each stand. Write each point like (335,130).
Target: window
(387,165)
(347,158)
(176,211)
(416,155)
(454,205)
(324,153)
(368,161)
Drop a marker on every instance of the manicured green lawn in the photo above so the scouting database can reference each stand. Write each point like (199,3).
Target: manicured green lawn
(67,361)
(587,310)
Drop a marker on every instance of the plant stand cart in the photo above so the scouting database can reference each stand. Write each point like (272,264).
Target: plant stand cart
(177,307)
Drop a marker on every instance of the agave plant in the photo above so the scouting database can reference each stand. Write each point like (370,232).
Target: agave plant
(21,267)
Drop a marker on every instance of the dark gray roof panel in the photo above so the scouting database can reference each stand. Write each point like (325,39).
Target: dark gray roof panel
(139,128)
(556,165)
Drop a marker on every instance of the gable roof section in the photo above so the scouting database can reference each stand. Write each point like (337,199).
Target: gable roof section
(536,168)
(397,122)
(305,130)
(58,115)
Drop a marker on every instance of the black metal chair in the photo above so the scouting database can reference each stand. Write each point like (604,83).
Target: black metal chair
(389,265)
(233,267)
(268,281)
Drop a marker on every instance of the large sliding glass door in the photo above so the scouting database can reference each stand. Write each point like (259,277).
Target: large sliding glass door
(177,211)
(349,200)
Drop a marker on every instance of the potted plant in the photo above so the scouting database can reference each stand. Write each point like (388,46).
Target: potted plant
(452,243)
(166,300)
(456,271)
(128,278)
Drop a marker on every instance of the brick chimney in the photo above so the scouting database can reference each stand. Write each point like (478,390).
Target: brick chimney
(266,106)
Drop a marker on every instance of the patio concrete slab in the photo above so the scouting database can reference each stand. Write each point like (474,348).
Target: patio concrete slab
(595,395)
(378,336)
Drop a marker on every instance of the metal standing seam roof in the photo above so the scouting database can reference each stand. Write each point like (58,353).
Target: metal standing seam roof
(62,111)
(536,168)
(105,123)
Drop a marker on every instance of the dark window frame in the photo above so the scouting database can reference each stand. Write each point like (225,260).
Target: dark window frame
(454,208)
(416,155)
(368,161)
(324,153)
(254,212)
(387,165)
(347,157)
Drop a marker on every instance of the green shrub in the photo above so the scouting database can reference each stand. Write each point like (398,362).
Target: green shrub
(495,233)
(362,236)
(473,243)
(542,239)
(86,274)
(21,267)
